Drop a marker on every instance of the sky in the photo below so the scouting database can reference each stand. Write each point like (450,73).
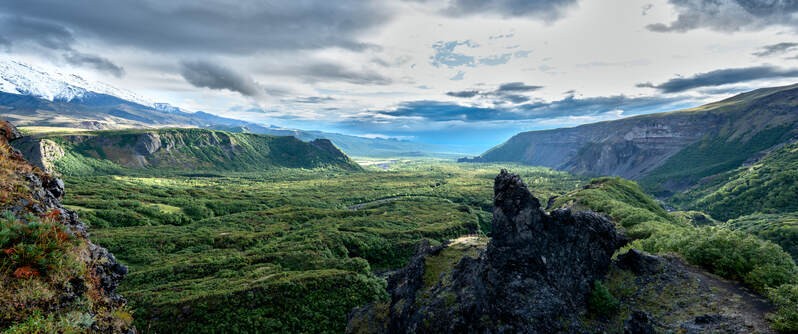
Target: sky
(464,72)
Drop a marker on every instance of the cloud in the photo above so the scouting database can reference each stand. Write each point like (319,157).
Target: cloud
(324,71)
(729,15)
(437,111)
(217,26)
(313,99)
(647,7)
(20,30)
(779,48)
(96,62)
(721,77)
(459,76)
(516,87)
(506,93)
(214,76)
(48,35)
(546,10)
(464,93)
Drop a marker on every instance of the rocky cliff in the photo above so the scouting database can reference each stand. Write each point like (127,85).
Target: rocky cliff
(54,279)
(186,149)
(534,277)
(671,150)
(554,273)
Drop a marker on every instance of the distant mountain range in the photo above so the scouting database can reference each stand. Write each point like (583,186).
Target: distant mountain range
(34,97)
(666,152)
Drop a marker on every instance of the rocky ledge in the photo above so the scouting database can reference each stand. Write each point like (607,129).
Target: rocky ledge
(534,277)
(30,193)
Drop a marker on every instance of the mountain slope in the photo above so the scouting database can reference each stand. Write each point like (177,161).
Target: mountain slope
(760,198)
(34,97)
(180,149)
(668,151)
(54,279)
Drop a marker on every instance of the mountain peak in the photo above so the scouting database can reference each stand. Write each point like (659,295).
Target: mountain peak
(20,78)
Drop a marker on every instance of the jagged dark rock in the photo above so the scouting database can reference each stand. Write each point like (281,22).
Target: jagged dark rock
(534,277)
(640,262)
(638,323)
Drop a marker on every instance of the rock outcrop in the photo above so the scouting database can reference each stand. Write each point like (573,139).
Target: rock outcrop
(36,195)
(534,277)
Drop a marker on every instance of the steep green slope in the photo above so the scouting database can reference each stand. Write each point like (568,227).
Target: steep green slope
(733,254)
(767,186)
(761,198)
(180,149)
(667,152)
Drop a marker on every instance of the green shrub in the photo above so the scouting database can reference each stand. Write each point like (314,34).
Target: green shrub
(785,298)
(601,302)
(731,254)
(32,248)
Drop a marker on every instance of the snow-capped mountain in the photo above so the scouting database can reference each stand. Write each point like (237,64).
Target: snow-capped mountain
(20,78)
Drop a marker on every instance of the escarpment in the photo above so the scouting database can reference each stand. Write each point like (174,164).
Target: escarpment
(181,149)
(534,277)
(54,279)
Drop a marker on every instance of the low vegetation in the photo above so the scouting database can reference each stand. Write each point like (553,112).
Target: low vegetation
(280,250)
(760,264)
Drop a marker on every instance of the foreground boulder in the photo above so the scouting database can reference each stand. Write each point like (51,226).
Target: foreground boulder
(534,277)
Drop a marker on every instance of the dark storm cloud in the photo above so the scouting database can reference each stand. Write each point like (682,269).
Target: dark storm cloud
(780,48)
(96,62)
(729,15)
(464,93)
(506,93)
(48,35)
(517,87)
(335,72)
(218,26)
(18,31)
(437,111)
(214,76)
(722,77)
(547,10)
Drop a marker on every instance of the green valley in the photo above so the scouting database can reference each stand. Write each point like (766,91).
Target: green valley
(273,249)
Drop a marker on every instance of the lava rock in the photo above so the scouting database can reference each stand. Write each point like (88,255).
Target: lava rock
(638,323)
(640,263)
(534,277)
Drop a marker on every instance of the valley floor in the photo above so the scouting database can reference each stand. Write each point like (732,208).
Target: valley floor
(272,250)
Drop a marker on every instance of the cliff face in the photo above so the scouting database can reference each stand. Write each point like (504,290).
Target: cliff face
(188,149)
(656,147)
(54,279)
(534,277)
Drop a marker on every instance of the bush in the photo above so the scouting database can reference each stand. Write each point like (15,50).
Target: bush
(731,254)
(33,248)
(602,302)
(786,299)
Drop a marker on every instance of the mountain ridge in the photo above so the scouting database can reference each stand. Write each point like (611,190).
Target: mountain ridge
(180,149)
(648,147)
(34,97)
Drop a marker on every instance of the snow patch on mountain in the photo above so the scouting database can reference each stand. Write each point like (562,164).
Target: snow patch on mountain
(20,78)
